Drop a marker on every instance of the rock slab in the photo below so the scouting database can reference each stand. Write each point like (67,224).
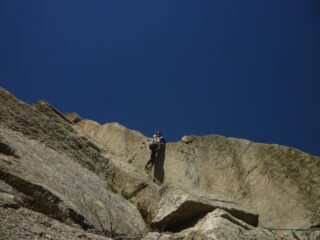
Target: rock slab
(180,206)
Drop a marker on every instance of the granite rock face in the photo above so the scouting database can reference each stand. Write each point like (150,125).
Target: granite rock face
(65,177)
(137,188)
(43,123)
(279,183)
(179,207)
(56,180)
(62,175)
(223,226)
(18,222)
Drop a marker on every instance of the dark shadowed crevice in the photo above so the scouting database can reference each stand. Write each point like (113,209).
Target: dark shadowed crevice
(251,219)
(137,191)
(316,225)
(41,200)
(187,215)
(158,166)
(7,150)
(234,221)
(190,212)
(295,236)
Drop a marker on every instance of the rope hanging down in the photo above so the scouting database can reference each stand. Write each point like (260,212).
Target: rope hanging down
(291,229)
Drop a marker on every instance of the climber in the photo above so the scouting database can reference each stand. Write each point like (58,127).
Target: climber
(155,146)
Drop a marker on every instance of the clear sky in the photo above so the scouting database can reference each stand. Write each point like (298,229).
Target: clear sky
(245,69)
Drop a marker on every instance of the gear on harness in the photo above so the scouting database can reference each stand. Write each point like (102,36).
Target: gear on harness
(155,146)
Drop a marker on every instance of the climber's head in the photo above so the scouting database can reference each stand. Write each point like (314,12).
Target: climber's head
(158,134)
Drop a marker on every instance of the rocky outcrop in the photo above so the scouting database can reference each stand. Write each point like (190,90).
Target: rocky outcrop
(56,180)
(277,182)
(223,226)
(180,207)
(41,123)
(271,180)
(73,117)
(300,235)
(18,222)
(131,182)
(63,175)
(137,188)
(220,225)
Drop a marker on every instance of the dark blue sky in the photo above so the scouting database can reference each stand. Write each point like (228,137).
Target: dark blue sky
(246,69)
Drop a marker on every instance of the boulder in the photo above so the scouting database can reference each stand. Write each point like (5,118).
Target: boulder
(187,139)
(179,207)
(220,225)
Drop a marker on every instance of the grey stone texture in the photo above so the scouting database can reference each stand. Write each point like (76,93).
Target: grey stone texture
(65,177)
(279,183)
(180,206)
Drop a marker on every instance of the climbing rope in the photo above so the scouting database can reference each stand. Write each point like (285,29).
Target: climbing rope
(291,229)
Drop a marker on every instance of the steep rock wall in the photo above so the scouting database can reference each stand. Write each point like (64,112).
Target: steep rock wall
(280,183)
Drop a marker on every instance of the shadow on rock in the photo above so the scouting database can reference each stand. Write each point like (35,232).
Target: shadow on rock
(158,166)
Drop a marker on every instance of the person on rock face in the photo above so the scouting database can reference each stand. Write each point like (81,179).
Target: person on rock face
(155,146)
